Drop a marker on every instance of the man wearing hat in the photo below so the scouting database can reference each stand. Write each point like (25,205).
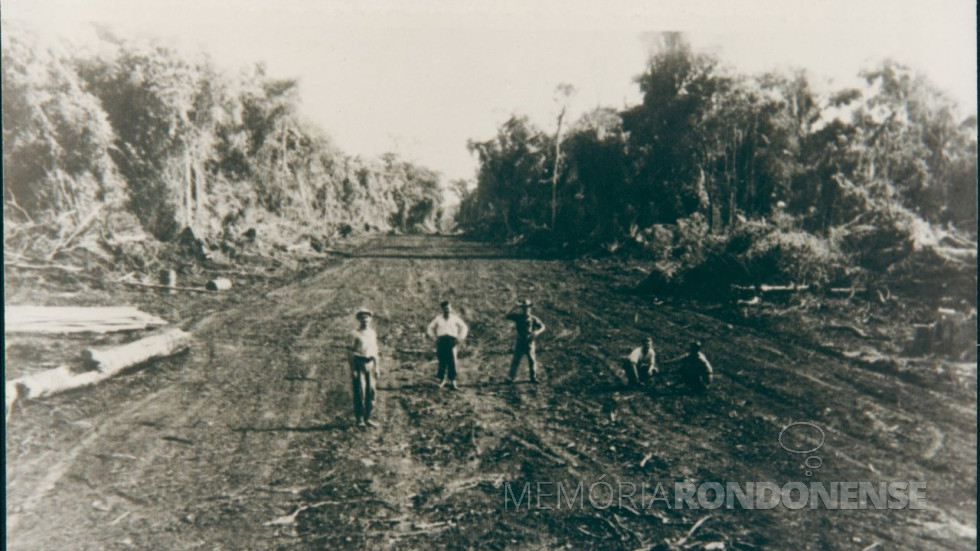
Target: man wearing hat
(695,370)
(364,367)
(528,328)
(448,330)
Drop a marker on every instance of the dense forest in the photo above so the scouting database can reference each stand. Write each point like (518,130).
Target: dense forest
(136,142)
(720,176)
(715,176)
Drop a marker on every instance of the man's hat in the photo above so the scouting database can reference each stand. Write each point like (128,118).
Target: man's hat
(525,302)
(364,312)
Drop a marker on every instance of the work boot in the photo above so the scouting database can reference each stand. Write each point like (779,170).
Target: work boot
(452,385)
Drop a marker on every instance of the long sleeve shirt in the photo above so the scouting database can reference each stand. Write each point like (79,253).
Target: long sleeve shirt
(453,326)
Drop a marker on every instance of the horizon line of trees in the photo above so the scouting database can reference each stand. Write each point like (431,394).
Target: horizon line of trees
(706,143)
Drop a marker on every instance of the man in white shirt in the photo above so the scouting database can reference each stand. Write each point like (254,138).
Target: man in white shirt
(448,330)
(363,357)
(641,364)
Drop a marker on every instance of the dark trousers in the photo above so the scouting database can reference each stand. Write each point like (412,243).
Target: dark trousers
(364,385)
(632,377)
(697,382)
(446,353)
(521,350)
(636,374)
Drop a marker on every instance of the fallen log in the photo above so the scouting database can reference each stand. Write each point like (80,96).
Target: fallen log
(218,284)
(74,319)
(766,288)
(82,226)
(53,381)
(843,327)
(165,287)
(680,543)
(106,363)
(849,291)
(115,359)
(37,267)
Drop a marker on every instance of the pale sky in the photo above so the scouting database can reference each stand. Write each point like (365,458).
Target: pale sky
(421,78)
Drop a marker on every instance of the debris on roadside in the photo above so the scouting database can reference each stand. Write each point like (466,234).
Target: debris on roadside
(75,319)
(98,365)
(115,359)
(218,284)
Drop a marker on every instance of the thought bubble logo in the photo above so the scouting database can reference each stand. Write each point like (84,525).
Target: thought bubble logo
(798,438)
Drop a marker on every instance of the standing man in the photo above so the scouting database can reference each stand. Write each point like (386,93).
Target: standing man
(528,328)
(641,363)
(448,330)
(363,357)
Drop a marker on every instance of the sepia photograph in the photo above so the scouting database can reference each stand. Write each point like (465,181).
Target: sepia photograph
(630,275)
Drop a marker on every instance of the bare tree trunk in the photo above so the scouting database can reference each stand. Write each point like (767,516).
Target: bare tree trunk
(188,195)
(752,198)
(554,175)
(199,193)
(733,188)
(282,158)
(115,359)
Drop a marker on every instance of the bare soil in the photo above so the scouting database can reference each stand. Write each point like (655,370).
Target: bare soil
(247,441)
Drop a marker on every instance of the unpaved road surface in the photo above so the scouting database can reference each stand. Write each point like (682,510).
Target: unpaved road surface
(246,442)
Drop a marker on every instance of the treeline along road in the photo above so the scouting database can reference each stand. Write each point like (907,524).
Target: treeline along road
(248,441)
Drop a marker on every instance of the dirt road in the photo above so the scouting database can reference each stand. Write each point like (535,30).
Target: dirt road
(246,441)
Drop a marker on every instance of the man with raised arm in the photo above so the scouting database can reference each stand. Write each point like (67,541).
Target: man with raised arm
(528,328)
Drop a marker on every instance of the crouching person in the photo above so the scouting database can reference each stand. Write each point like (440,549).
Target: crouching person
(695,370)
(364,368)
(641,365)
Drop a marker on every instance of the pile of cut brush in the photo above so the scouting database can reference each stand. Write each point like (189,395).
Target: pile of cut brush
(70,265)
(75,264)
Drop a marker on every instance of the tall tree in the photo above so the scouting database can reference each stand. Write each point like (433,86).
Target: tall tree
(562,93)
(666,142)
(56,136)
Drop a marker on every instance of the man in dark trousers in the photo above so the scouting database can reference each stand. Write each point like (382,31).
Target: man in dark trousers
(695,371)
(528,328)
(363,358)
(448,330)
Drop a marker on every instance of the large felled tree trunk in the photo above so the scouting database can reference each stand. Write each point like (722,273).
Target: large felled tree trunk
(105,363)
(115,359)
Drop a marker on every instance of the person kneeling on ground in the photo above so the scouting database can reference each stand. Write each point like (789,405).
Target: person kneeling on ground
(364,368)
(696,371)
(641,365)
